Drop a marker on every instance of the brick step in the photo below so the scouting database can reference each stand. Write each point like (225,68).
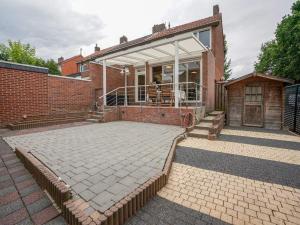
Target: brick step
(93,120)
(42,123)
(208,118)
(204,126)
(47,120)
(96,116)
(216,113)
(199,133)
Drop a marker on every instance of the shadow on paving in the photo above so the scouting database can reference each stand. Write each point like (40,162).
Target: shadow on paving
(247,167)
(260,141)
(160,211)
(258,129)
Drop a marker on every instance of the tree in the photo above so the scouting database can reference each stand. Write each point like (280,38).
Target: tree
(4,54)
(281,56)
(227,62)
(26,54)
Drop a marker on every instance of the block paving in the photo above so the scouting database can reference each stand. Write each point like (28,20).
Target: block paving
(21,200)
(215,182)
(102,162)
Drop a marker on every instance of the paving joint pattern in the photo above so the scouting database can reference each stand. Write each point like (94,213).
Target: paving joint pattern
(21,199)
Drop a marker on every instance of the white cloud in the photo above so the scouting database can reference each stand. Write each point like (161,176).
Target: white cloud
(53,27)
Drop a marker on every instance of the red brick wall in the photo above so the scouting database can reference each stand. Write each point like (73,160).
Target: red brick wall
(35,93)
(218,50)
(163,115)
(69,66)
(69,95)
(22,93)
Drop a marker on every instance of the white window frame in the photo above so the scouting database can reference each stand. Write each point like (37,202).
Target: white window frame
(210,34)
(137,73)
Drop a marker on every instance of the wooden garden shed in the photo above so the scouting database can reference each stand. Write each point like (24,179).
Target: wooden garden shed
(256,99)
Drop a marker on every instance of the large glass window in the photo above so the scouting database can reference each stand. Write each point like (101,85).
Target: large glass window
(167,74)
(204,37)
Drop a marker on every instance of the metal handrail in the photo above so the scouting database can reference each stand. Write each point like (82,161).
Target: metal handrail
(131,95)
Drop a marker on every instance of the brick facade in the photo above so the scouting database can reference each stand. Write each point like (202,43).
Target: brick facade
(68,95)
(27,91)
(159,115)
(22,93)
(69,66)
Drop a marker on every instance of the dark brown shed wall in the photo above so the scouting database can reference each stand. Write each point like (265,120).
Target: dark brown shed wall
(272,103)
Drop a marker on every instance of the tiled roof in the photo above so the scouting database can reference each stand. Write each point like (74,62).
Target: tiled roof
(72,58)
(156,36)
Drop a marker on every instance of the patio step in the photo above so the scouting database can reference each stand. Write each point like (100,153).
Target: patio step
(93,120)
(208,118)
(199,133)
(216,113)
(204,126)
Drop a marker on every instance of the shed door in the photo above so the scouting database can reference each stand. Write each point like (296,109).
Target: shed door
(253,106)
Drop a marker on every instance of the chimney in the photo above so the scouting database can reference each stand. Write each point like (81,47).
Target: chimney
(97,49)
(60,59)
(216,9)
(123,39)
(158,28)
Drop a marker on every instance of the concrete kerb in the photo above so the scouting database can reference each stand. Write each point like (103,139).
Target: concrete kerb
(76,211)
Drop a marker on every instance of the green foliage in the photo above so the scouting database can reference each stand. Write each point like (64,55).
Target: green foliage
(4,54)
(25,54)
(227,62)
(281,56)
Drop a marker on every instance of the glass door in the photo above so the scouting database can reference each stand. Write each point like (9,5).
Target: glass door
(140,85)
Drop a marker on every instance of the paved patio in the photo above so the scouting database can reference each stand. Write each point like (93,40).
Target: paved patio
(21,199)
(248,176)
(102,162)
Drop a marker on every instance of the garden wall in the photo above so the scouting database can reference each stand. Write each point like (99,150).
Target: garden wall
(29,91)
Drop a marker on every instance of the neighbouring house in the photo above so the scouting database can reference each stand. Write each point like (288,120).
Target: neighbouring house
(69,67)
(256,100)
(188,58)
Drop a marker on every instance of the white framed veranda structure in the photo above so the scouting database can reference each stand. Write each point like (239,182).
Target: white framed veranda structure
(173,50)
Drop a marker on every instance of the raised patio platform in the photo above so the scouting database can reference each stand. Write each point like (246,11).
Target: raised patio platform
(102,162)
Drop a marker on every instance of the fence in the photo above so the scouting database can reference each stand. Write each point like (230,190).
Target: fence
(292,108)
(220,96)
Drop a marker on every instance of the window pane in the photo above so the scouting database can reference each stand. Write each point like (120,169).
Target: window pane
(194,72)
(157,74)
(204,37)
(167,76)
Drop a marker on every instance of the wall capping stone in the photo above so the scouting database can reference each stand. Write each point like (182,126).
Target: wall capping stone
(24,67)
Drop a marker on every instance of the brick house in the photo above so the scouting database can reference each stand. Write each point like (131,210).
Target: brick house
(188,58)
(69,67)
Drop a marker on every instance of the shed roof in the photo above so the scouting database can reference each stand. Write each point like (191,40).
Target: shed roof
(262,75)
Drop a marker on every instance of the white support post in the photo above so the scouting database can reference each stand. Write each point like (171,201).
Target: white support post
(125,86)
(201,80)
(176,74)
(104,82)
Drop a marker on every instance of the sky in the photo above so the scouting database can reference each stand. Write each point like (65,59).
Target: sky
(63,27)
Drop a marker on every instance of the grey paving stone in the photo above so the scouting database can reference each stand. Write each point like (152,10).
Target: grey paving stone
(38,205)
(26,191)
(128,180)
(80,177)
(107,172)
(57,221)
(87,195)
(99,187)
(7,190)
(10,208)
(117,188)
(97,155)
(27,221)
(4,178)
(96,178)
(103,197)
(79,187)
